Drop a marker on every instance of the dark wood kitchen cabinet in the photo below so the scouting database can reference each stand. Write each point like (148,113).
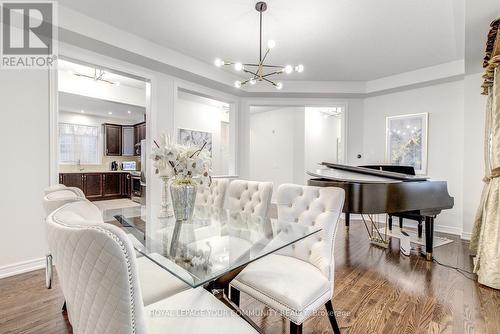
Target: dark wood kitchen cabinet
(99,186)
(93,185)
(112,139)
(126,185)
(115,142)
(139,134)
(72,180)
(111,185)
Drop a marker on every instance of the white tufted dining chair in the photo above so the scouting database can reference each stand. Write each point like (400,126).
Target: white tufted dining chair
(156,284)
(99,274)
(249,196)
(212,195)
(59,187)
(54,198)
(54,187)
(297,280)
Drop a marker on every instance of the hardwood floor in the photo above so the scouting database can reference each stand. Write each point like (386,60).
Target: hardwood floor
(376,291)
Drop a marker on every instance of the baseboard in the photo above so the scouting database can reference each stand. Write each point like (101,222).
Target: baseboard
(21,267)
(380,218)
(466,236)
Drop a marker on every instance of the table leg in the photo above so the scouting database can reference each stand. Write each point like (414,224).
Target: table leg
(429,235)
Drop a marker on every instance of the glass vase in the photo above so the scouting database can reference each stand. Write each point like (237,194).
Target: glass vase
(166,202)
(183,200)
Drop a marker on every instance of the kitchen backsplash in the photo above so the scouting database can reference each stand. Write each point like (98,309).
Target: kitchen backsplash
(105,166)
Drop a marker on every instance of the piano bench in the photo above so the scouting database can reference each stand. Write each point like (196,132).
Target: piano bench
(407,215)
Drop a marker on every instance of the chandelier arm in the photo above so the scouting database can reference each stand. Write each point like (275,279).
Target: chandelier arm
(245,82)
(273,66)
(271,82)
(101,74)
(250,72)
(272,73)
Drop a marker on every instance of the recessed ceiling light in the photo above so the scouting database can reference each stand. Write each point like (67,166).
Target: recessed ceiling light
(129,112)
(117,83)
(82,111)
(110,113)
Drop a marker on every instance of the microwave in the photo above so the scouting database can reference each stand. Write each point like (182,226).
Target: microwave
(129,165)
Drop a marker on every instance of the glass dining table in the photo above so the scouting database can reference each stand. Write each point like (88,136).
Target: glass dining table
(214,244)
(210,249)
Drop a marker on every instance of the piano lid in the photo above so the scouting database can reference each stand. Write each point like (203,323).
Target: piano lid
(347,173)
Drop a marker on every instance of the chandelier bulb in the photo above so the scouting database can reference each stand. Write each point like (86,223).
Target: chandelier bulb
(237,84)
(279,85)
(299,68)
(288,69)
(218,62)
(271,44)
(252,81)
(238,66)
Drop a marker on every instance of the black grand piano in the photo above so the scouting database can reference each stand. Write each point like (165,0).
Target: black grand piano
(371,190)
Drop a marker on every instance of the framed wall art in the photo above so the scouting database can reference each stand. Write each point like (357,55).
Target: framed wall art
(406,141)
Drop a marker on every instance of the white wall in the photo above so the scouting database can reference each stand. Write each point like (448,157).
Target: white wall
(473,131)
(285,142)
(321,135)
(24,114)
(444,103)
(354,132)
(194,115)
(275,150)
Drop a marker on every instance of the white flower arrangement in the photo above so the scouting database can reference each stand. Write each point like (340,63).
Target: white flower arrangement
(186,164)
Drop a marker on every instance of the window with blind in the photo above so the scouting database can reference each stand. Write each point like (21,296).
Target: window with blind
(78,143)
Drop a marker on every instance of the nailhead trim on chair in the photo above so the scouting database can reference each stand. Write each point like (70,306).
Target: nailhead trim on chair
(116,239)
(278,302)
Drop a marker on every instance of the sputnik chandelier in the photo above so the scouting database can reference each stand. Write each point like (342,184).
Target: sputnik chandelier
(257,71)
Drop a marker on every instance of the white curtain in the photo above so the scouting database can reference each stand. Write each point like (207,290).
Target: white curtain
(78,143)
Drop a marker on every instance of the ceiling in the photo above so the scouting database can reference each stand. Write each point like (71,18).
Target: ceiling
(90,106)
(333,39)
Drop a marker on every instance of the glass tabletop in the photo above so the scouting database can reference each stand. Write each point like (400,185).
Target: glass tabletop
(214,242)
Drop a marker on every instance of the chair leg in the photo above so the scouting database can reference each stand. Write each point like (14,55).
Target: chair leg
(48,271)
(235,296)
(331,316)
(295,329)
(401,222)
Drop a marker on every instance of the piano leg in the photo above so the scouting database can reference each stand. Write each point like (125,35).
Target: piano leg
(347,221)
(429,234)
(420,228)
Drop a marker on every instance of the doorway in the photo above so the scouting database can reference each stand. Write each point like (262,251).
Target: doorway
(292,140)
(100,136)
